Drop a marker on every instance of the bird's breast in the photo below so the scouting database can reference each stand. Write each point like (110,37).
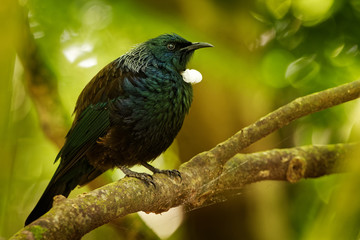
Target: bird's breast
(159,106)
(146,121)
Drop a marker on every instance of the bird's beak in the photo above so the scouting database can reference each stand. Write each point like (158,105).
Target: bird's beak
(196,45)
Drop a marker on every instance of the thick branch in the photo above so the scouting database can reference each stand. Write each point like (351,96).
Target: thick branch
(72,218)
(282,164)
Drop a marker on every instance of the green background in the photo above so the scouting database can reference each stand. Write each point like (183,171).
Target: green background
(267,53)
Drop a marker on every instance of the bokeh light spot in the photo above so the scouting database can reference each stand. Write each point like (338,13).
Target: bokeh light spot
(74,51)
(302,70)
(312,12)
(96,14)
(342,53)
(88,62)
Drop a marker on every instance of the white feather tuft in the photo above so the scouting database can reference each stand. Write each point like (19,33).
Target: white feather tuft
(191,76)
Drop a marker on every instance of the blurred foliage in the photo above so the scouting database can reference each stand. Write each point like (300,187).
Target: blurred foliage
(267,52)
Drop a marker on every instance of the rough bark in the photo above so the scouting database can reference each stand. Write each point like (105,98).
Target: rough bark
(204,179)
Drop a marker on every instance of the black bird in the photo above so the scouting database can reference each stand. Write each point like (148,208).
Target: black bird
(128,114)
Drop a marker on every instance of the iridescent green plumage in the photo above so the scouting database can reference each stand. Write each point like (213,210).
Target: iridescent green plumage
(128,114)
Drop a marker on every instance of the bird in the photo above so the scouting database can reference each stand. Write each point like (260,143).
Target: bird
(129,113)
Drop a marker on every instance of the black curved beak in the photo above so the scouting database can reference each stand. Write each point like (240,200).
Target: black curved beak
(196,45)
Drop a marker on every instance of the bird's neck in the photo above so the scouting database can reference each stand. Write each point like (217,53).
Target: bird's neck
(137,60)
(160,82)
(170,88)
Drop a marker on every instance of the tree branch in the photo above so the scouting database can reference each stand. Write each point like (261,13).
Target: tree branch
(284,115)
(203,180)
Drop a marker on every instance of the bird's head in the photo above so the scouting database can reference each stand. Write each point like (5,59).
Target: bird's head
(173,50)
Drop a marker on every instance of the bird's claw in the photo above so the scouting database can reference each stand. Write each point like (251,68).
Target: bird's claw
(145,177)
(170,173)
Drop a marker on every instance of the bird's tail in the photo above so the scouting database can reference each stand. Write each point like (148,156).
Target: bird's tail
(62,184)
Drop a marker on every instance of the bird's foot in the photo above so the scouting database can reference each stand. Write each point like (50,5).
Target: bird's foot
(145,177)
(170,173)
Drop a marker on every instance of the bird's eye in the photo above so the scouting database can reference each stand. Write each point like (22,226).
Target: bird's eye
(171,46)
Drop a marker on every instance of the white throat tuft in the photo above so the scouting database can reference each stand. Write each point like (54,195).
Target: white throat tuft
(191,76)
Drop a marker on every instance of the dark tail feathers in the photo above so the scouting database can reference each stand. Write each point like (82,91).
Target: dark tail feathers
(81,173)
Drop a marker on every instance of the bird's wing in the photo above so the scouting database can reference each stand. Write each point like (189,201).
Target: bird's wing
(92,123)
(92,113)
(105,85)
